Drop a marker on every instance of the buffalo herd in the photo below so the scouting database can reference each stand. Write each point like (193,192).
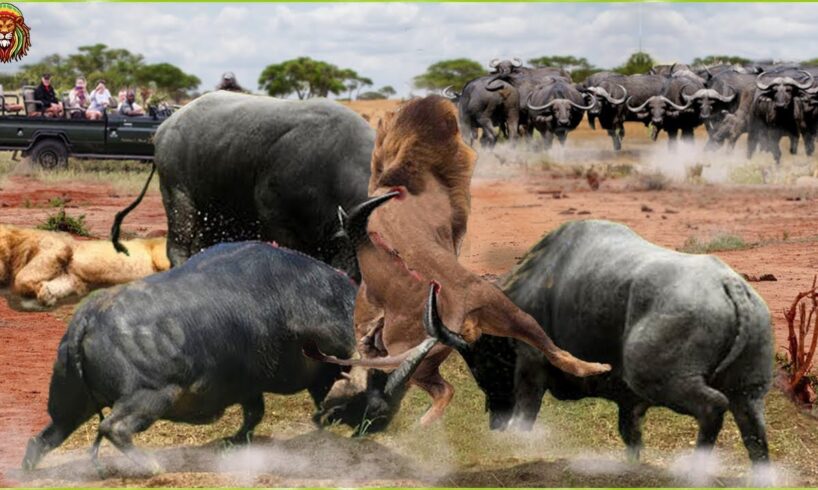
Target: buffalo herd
(765,101)
(346,257)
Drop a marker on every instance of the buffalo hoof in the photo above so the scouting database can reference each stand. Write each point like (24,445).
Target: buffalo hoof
(330,416)
(149,466)
(34,453)
(520,424)
(348,410)
(499,420)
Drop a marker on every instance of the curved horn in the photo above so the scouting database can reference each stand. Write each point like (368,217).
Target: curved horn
(674,105)
(353,225)
(517,62)
(618,101)
(726,98)
(636,109)
(493,63)
(604,93)
(434,325)
(804,85)
(581,107)
(491,86)
(436,331)
(538,108)
(447,92)
(702,92)
(762,86)
(813,90)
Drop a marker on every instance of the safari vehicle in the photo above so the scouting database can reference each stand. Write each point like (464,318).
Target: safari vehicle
(49,141)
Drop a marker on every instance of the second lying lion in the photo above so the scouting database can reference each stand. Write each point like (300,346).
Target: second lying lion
(50,266)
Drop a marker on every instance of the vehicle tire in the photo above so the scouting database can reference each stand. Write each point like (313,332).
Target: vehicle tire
(49,154)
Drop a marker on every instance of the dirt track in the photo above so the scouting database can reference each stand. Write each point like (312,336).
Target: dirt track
(512,207)
(509,215)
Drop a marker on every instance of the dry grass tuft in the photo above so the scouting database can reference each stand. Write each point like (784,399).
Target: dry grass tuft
(720,243)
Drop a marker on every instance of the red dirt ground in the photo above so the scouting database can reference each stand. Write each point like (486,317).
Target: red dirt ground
(508,216)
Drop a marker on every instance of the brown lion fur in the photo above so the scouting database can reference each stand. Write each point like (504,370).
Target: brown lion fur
(415,238)
(422,138)
(52,265)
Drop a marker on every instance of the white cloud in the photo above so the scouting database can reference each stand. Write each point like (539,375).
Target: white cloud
(393,42)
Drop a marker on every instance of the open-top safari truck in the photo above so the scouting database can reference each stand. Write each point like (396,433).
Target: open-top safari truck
(49,141)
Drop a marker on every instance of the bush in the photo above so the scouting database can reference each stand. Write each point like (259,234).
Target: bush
(371,96)
(63,222)
(720,243)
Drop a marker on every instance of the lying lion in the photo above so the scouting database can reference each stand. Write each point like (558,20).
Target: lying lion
(52,265)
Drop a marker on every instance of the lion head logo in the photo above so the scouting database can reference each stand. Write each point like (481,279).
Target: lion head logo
(14,34)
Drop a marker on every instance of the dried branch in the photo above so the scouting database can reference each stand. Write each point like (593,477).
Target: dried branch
(801,357)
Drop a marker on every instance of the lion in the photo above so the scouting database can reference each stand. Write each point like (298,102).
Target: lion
(50,266)
(421,160)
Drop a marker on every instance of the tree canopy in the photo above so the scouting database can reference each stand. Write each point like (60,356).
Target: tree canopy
(579,68)
(355,82)
(714,59)
(456,72)
(166,77)
(118,67)
(638,62)
(308,78)
(382,93)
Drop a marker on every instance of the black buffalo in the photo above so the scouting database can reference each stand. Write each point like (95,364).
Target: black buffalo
(609,95)
(483,103)
(808,122)
(503,69)
(778,110)
(730,122)
(667,110)
(556,108)
(527,80)
(183,345)
(681,331)
(641,89)
(240,167)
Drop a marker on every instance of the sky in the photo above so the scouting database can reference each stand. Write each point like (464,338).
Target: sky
(393,42)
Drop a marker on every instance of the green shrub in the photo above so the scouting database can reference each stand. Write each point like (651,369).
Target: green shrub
(63,222)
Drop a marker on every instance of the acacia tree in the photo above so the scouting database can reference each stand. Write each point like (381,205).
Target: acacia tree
(382,93)
(355,82)
(118,67)
(638,63)
(307,78)
(579,68)
(456,72)
(164,77)
(715,59)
